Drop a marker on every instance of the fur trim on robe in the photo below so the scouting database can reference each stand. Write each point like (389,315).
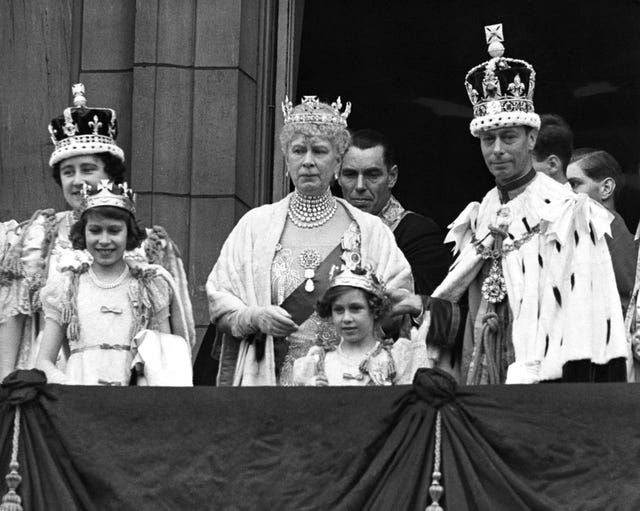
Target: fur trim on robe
(242,275)
(560,284)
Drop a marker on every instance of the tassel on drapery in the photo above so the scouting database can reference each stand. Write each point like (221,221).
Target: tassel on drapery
(11,501)
(436,489)
(437,388)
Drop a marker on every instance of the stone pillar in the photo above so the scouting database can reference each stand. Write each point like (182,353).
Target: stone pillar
(196,114)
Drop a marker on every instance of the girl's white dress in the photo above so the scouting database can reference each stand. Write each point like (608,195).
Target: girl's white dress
(102,319)
(35,251)
(388,363)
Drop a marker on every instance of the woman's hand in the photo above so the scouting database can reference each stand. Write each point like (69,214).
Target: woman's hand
(274,320)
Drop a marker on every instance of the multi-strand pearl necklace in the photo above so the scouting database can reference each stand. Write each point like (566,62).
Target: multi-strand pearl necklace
(308,211)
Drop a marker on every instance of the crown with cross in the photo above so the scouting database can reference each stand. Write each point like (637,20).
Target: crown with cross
(81,130)
(312,111)
(501,89)
(108,193)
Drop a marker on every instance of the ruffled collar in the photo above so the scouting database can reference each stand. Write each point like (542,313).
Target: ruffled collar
(392,213)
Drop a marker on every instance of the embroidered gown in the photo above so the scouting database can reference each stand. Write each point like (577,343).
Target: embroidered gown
(286,275)
(388,363)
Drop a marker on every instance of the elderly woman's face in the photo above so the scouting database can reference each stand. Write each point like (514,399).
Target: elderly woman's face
(312,164)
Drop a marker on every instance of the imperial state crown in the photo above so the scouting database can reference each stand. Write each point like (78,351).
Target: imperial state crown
(501,89)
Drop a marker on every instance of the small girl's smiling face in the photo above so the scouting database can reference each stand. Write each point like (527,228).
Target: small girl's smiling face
(352,316)
(106,239)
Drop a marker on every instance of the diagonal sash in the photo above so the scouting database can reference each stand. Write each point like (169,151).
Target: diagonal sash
(301,303)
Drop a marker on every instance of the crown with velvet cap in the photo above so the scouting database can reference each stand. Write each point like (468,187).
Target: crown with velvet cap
(108,193)
(356,275)
(501,89)
(312,111)
(82,130)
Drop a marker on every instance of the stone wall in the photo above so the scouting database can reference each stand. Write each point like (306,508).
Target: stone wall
(192,91)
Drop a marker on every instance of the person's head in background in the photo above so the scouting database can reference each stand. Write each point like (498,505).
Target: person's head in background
(596,173)
(554,145)
(369,171)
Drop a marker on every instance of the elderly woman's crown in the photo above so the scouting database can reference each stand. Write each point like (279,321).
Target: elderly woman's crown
(312,111)
(108,193)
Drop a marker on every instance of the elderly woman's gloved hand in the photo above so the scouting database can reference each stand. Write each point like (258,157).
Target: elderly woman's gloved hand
(273,320)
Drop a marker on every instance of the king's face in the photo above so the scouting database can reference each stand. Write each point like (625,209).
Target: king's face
(507,151)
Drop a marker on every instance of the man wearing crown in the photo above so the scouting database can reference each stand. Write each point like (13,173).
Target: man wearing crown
(532,261)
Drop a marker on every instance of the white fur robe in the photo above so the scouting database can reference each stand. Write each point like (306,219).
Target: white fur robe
(241,277)
(560,285)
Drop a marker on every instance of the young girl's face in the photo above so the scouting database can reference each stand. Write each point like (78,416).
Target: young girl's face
(106,239)
(352,316)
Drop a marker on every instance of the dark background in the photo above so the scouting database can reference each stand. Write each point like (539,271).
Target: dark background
(402,65)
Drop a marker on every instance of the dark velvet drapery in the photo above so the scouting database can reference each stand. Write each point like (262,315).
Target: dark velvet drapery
(540,447)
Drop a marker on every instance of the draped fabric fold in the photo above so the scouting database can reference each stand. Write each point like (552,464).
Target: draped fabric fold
(535,447)
(49,478)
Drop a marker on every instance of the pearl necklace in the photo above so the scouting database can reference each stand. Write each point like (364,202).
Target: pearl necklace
(308,211)
(109,285)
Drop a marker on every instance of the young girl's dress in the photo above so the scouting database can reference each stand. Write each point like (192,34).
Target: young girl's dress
(101,319)
(388,363)
(33,252)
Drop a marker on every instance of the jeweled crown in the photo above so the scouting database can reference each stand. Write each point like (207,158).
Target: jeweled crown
(312,111)
(362,277)
(501,89)
(82,130)
(108,193)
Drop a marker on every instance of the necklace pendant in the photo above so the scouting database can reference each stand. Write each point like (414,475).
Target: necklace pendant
(309,286)
(494,287)
(309,259)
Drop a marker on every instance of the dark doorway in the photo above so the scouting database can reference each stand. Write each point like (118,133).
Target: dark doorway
(402,65)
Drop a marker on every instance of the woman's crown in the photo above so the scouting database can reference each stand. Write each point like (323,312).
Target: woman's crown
(108,193)
(82,130)
(312,111)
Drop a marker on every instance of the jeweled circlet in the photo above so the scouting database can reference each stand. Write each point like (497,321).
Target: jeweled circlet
(310,111)
(360,276)
(108,193)
(308,211)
